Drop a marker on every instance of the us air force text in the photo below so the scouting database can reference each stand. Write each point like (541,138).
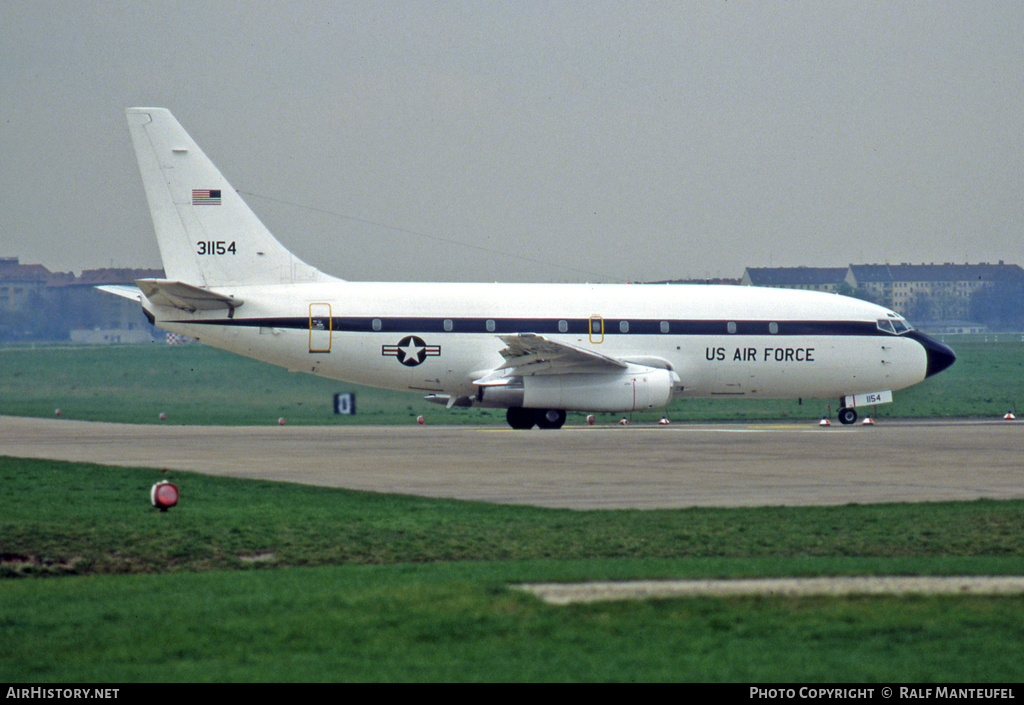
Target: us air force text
(769,355)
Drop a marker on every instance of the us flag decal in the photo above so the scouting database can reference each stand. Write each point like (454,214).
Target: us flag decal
(205,197)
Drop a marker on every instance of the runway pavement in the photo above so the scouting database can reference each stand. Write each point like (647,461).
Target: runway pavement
(639,466)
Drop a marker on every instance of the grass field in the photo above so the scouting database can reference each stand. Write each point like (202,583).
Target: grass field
(201,385)
(262,581)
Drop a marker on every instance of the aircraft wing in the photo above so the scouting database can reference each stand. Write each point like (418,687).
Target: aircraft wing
(532,354)
(187,297)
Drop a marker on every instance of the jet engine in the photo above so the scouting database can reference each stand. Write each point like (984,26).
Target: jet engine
(635,388)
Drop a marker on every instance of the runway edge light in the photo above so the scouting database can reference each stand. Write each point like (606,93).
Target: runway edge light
(164,495)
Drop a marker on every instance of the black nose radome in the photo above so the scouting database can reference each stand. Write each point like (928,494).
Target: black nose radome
(940,355)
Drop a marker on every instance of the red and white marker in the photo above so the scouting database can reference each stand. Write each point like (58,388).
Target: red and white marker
(163,495)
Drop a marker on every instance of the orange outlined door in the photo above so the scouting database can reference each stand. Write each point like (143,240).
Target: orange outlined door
(320,325)
(596,329)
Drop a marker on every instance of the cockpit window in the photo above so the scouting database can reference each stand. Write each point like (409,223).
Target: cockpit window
(901,326)
(894,325)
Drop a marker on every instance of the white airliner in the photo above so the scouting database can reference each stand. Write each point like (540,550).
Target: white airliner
(537,350)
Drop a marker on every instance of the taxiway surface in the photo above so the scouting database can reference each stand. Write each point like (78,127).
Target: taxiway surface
(640,466)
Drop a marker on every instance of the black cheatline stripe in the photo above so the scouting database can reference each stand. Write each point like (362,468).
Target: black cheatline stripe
(576,326)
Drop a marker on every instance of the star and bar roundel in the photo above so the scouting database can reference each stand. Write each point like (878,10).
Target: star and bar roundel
(411,350)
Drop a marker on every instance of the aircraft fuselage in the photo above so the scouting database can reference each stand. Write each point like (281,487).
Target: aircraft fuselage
(439,338)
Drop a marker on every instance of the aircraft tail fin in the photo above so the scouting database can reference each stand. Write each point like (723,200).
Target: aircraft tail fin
(207,235)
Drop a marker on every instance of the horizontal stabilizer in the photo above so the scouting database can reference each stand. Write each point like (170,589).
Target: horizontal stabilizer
(187,297)
(123,290)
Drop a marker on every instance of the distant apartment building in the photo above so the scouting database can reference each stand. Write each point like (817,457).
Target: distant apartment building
(37,304)
(922,292)
(21,284)
(944,290)
(104,318)
(829,279)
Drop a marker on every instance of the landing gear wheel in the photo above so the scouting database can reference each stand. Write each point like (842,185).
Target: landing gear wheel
(550,418)
(520,419)
(847,415)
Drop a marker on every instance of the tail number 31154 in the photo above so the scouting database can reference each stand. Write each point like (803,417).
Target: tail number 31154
(215,247)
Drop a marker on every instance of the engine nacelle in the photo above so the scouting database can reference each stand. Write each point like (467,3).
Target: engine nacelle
(633,389)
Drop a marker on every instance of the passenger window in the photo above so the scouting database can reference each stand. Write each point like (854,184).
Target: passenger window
(563,326)
(376,324)
(490,326)
(448,325)
(664,326)
(623,326)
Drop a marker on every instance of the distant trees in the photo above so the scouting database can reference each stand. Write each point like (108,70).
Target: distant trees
(39,319)
(999,305)
(942,306)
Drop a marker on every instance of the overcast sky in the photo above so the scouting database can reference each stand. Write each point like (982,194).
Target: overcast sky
(529,141)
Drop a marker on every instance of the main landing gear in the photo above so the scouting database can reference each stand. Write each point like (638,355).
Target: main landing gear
(522,419)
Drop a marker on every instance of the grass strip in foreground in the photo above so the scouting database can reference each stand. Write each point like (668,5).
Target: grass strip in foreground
(258,581)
